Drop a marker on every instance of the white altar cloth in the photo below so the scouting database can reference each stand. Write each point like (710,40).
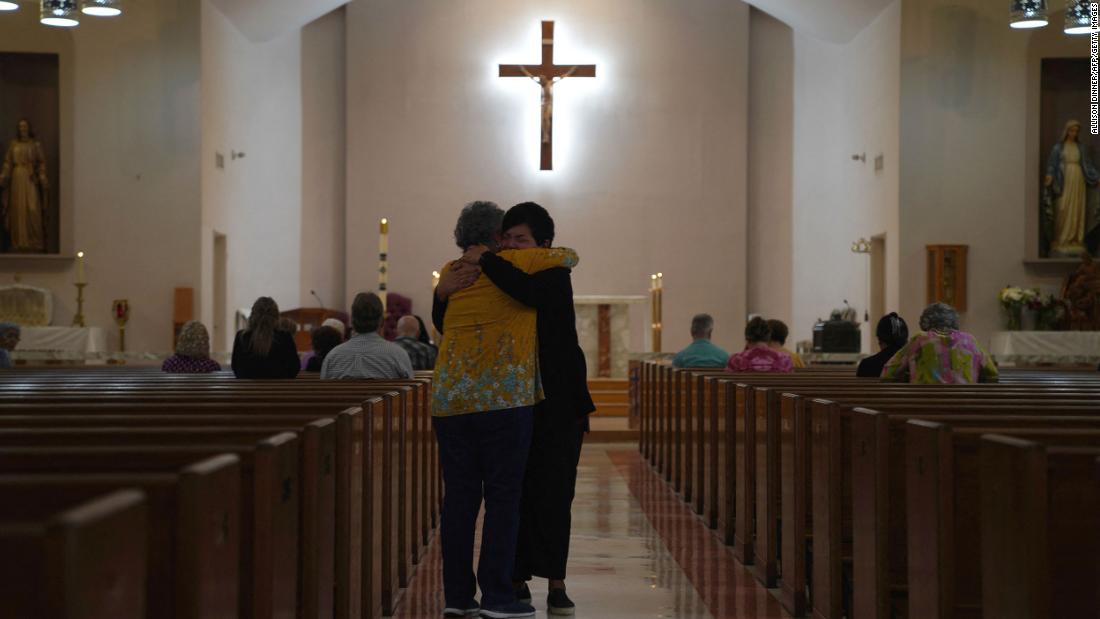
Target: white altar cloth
(60,342)
(1046,347)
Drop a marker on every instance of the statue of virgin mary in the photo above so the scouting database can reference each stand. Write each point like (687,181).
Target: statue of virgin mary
(1071,205)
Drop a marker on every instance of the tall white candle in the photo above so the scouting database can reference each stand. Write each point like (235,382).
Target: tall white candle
(81,278)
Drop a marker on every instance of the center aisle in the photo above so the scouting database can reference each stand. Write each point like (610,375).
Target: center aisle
(637,551)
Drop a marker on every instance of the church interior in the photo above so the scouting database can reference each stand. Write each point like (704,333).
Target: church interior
(822,164)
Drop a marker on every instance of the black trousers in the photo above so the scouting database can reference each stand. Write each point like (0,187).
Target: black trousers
(548,488)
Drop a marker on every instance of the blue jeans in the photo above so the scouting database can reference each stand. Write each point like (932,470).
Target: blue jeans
(482,455)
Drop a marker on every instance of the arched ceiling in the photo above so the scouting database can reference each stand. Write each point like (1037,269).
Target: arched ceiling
(836,21)
(264,20)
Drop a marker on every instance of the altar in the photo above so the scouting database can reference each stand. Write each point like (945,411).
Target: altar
(603,329)
(1022,348)
(32,309)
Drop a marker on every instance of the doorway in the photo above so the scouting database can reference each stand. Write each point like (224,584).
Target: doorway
(221,311)
(878,278)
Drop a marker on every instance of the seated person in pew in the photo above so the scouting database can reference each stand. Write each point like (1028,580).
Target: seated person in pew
(892,334)
(340,329)
(701,352)
(778,341)
(485,386)
(192,352)
(421,354)
(324,339)
(263,350)
(9,339)
(942,354)
(758,356)
(367,355)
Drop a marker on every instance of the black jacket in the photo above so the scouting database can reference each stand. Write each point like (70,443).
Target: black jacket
(281,361)
(561,361)
(872,366)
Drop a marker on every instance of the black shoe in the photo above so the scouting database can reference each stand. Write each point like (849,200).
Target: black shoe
(509,611)
(469,609)
(523,594)
(558,603)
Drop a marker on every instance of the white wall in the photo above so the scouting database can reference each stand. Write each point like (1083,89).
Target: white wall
(650,155)
(770,173)
(129,177)
(968,102)
(845,102)
(324,187)
(251,102)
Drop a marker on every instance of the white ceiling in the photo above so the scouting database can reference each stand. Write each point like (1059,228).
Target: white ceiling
(837,21)
(264,20)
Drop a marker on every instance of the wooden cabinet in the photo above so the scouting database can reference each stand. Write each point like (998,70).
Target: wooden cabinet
(947,275)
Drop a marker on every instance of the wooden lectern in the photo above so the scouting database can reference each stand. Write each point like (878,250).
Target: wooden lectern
(308,319)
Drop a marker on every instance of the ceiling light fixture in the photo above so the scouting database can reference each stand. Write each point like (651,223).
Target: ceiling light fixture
(59,13)
(101,8)
(8,5)
(1078,19)
(1028,14)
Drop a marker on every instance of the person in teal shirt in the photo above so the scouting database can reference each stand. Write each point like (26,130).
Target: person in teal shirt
(701,353)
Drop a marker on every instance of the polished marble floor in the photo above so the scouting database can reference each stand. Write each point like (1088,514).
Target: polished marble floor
(636,552)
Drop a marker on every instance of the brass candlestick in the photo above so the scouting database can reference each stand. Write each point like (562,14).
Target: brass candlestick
(656,298)
(78,319)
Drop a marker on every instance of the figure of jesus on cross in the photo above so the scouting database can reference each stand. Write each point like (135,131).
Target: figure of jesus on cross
(546,75)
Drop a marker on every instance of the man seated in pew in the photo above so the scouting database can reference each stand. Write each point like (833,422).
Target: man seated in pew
(485,387)
(942,354)
(421,354)
(263,350)
(701,352)
(778,341)
(192,352)
(367,355)
(9,339)
(758,356)
(892,334)
(323,339)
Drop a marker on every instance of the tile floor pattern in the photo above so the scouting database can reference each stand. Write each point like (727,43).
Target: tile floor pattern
(637,552)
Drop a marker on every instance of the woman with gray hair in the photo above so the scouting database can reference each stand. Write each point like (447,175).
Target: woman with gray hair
(942,354)
(485,386)
(192,352)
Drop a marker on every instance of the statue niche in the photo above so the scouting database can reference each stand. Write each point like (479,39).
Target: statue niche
(1070,203)
(26,190)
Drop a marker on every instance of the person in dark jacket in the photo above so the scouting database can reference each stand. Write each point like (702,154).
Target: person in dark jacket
(324,339)
(561,420)
(263,350)
(892,333)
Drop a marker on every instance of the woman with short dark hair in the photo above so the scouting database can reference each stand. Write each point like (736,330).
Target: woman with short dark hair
(263,350)
(892,334)
(758,356)
(942,355)
(324,339)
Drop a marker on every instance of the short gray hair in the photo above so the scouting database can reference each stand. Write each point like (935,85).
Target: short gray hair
(478,224)
(701,324)
(6,327)
(939,317)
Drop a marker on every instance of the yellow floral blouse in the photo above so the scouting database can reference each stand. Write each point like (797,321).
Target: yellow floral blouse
(488,359)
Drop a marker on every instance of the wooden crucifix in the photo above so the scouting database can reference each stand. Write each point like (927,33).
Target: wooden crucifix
(546,75)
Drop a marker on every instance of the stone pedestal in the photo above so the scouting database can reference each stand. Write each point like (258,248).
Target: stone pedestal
(603,328)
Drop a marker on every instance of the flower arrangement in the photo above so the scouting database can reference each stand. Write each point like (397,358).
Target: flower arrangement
(1014,299)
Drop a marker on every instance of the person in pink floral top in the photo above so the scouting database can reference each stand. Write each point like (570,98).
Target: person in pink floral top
(192,352)
(942,355)
(758,356)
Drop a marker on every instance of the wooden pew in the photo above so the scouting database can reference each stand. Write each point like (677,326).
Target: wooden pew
(193,544)
(85,561)
(269,493)
(1040,538)
(943,501)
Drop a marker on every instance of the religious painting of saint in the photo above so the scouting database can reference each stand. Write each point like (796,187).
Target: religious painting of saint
(29,157)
